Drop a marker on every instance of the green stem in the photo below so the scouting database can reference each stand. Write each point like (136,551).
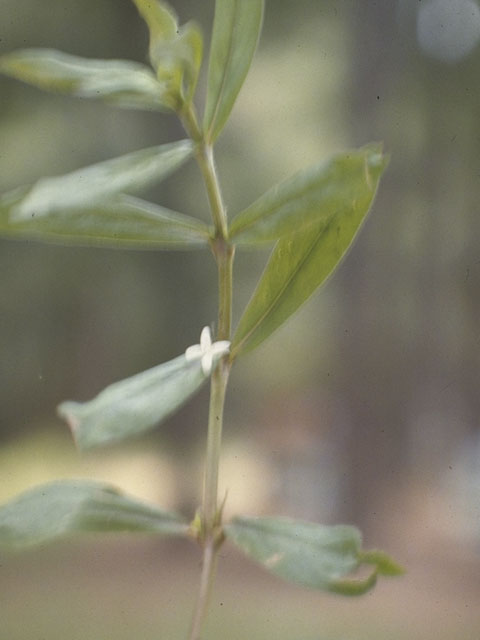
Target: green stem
(211,537)
(214,439)
(223,251)
(206,163)
(206,583)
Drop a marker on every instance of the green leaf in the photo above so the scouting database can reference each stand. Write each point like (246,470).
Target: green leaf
(70,507)
(87,207)
(354,587)
(121,83)
(175,52)
(134,405)
(98,182)
(236,29)
(178,62)
(302,261)
(123,222)
(303,552)
(314,195)
(189,49)
(384,564)
(161,19)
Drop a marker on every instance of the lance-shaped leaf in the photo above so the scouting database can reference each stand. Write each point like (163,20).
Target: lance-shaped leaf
(302,261)
(95,184)
(122,222)
(70,507)
(175,52)
(121,83)
(314,195)
(134,405)
(303,552)
(236,29)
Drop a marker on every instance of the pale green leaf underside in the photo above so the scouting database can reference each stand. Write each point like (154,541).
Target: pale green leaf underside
(70,507)
(301,262)
(121,83)
(96,183)
(236,29)
(122,222)
(314,195)
(87,206)
(135,405)
(309,554)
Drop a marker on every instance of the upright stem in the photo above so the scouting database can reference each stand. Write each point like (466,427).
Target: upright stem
(214,438)
(205,160)
(224,254)
(206,583)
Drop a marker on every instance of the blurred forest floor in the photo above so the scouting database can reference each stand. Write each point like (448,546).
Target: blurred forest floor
(121,589)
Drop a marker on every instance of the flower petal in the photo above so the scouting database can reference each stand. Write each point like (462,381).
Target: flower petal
(207,362)
(205,339)
(194,352)
(221,347)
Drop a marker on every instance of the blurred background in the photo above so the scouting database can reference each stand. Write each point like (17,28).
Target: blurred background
(364,408)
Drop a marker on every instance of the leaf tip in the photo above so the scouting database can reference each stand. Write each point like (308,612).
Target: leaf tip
(354,586)
(376,161)
(384,564)
(66,411)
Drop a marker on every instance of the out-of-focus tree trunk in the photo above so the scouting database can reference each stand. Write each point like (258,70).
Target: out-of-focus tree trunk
(409,298)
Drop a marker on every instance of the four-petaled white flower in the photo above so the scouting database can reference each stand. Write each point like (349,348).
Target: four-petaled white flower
(206,350)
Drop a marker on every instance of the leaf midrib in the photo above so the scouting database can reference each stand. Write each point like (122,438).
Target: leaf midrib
(276,299)
(282,536)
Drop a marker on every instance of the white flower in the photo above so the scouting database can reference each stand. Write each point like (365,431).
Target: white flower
(206,351)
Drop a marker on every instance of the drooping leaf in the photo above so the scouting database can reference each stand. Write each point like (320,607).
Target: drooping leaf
(132,406)
(97,183)
(121,83)
(122,222)
(302,261)
(303,552)
(175,52)
(70,507)
(236,29)
(314,195)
